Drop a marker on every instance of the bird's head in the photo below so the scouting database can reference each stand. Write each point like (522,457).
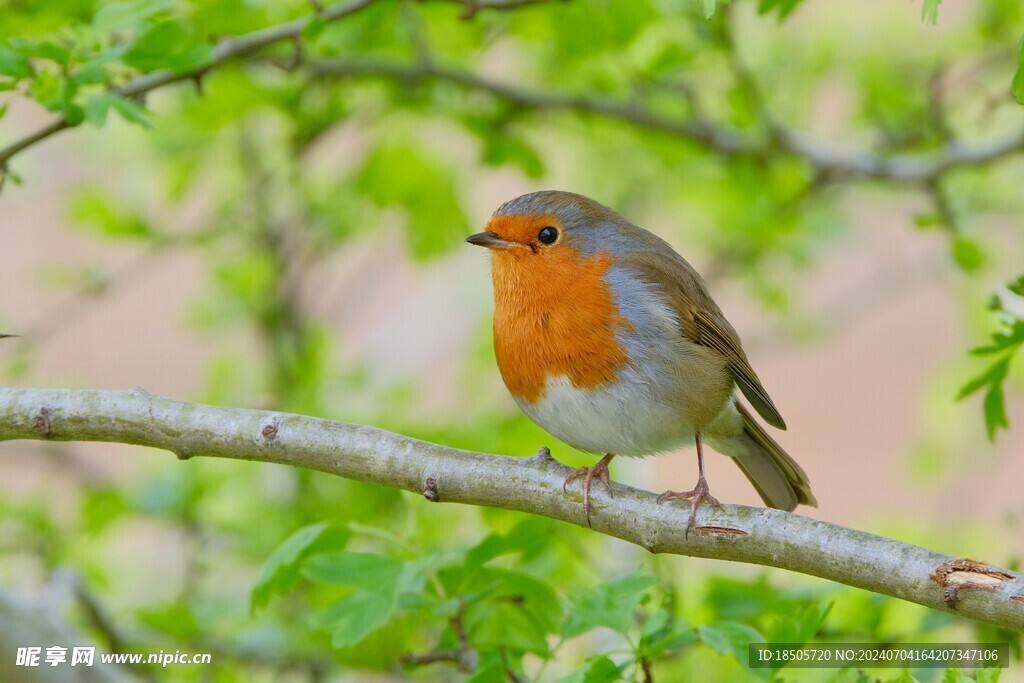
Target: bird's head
(550,226)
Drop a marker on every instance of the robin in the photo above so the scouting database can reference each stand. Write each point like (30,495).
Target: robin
(608,340)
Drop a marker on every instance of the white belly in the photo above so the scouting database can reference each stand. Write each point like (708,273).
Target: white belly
(628,421)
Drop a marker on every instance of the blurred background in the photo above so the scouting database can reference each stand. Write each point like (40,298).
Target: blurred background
(286,230)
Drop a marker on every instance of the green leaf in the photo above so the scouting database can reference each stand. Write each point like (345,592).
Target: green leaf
(176,619)
(597,669)
(967,254)
(91,74)
(48,90)
(168,45)
(661,633)
(955,676)
(515,610)
(494,665)
(101,507)
(707,8)
(131,112)
(611,604)
(98,104)
(314,28)
(97,211)
(801,625)
(784,7)
(1017,286)
(987,675)
(1017,85)
(356,616)
(528,535)
(280,571)
(503,148)
(51,50)
(994,374)
(397,175)
(365,570)
(904,677)
(927,220)
(118,16)
(730,638)
(13,63)
(995,410)
(379,580)
(930,11)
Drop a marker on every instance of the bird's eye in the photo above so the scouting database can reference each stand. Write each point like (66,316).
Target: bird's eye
(547,235)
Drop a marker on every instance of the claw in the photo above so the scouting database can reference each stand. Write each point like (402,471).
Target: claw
(600,470)
(700,494)
(578,472)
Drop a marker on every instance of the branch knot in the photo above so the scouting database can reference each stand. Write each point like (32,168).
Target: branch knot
(430,490)
(41,422)
(269,430)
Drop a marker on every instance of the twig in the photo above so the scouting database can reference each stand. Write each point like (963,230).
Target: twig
(645,667)
(828,162)
(97,616)
(431,658)
(233,48)
(226,50)
(732,532)
(465,656)
(512,676)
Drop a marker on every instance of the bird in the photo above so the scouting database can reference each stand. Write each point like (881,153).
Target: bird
(609,340)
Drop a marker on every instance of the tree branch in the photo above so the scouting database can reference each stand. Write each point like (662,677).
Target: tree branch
(826,160)
(233,48)
(226,50)
(742,534)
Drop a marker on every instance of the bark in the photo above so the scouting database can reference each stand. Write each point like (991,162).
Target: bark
(732,532)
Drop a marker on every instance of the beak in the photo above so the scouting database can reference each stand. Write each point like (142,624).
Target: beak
(490,240)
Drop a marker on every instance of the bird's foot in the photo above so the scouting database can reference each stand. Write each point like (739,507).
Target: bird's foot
(700,494)
(600,470)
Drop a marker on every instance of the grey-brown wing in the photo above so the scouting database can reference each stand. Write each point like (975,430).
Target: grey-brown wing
(702,321)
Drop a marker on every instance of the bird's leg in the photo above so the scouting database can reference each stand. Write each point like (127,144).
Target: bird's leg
(700,493)
(600,470)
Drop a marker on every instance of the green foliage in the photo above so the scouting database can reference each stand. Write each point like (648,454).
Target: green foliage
(281,570)
(98,213)
(1005,343)
(167,45)
(930,11)
(378,581)
(494,614)
(402,176)
(98,104)
(782,7)
(610,604)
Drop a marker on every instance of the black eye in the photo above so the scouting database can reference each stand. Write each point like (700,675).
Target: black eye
(547,235)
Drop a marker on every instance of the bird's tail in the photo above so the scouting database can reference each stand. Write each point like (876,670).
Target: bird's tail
(778,479)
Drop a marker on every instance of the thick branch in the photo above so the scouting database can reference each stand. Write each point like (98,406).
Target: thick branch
(743,534)
(826,160)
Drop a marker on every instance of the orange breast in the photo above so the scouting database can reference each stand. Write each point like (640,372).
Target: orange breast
(554,315)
